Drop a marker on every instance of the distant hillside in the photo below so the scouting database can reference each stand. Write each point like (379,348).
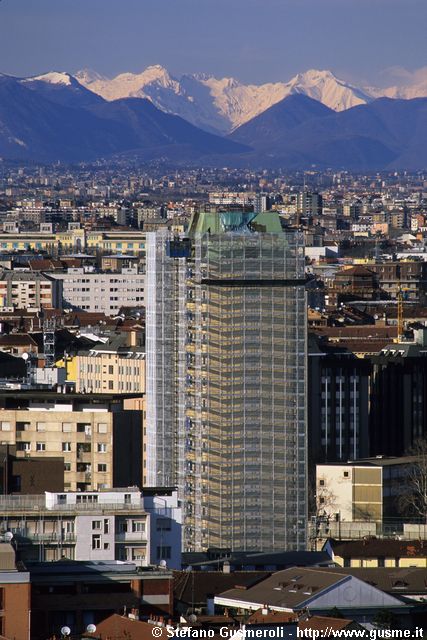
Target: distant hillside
(383,134)
(61,120)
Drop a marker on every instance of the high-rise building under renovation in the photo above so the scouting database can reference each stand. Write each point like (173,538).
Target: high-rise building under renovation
(226,349)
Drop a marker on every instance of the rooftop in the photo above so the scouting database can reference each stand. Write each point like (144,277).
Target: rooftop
(379,547)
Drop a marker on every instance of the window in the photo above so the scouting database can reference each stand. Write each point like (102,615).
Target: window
(106,526)
(106,545)
(23,426)
(40,446)
(123,527)
(163,553)
(102,468)
(5,426)
(41,426)
(163,524)
(24,446)
(138,554)
(102,447)
(96,524)
(346,474)
(321,483)
(69,527)
(110,369)
(67,427)
(66,446)
(86,498)
(96,541)
(138,526)
(67,466)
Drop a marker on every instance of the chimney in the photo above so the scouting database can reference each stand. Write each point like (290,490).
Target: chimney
(226,568)
(132,338)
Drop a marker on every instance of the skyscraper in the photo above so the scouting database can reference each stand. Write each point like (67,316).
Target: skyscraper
(226,379)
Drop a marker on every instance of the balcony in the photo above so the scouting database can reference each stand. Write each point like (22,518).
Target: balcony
(131,536)
(46,538)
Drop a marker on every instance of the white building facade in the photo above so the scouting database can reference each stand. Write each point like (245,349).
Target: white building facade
(119,524)
(97,292)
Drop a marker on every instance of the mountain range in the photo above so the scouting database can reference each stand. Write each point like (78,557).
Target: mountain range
(314,119)
(223,104)
(56,118)
(299,132)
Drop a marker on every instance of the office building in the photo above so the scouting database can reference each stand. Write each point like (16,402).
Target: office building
(338,403)
(398,396)
(226,360)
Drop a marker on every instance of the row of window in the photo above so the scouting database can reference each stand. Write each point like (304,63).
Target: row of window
(66,447)
(67,427)
(102,468)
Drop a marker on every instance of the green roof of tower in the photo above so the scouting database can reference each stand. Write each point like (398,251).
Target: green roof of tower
(226,221)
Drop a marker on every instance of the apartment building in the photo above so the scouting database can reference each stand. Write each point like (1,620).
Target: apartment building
(407,276)
(226,389)
(309,203)
(120,524)
(21,290)
(117,366)
(99,439)
(97,292)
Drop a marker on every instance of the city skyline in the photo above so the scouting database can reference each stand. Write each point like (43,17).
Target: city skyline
(160,33)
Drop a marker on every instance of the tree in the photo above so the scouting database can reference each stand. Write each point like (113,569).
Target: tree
(386,619)
(413,497)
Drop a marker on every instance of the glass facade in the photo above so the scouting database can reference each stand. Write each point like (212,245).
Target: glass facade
(234,433)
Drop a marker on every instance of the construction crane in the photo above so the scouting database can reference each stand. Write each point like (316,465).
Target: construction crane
(400,298)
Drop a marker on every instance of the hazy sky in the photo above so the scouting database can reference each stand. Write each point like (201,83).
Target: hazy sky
(253,40)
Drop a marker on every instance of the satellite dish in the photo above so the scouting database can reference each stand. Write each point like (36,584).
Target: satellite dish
(8,536)
(192,618)
(25,356)
(65,631)
(91,628)
(163,564)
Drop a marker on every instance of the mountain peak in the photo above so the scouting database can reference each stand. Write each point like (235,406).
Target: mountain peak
(87,76)
(54,77)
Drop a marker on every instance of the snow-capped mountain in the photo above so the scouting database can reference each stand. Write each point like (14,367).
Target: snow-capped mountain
(221,104)
(413,85)
(53,117)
